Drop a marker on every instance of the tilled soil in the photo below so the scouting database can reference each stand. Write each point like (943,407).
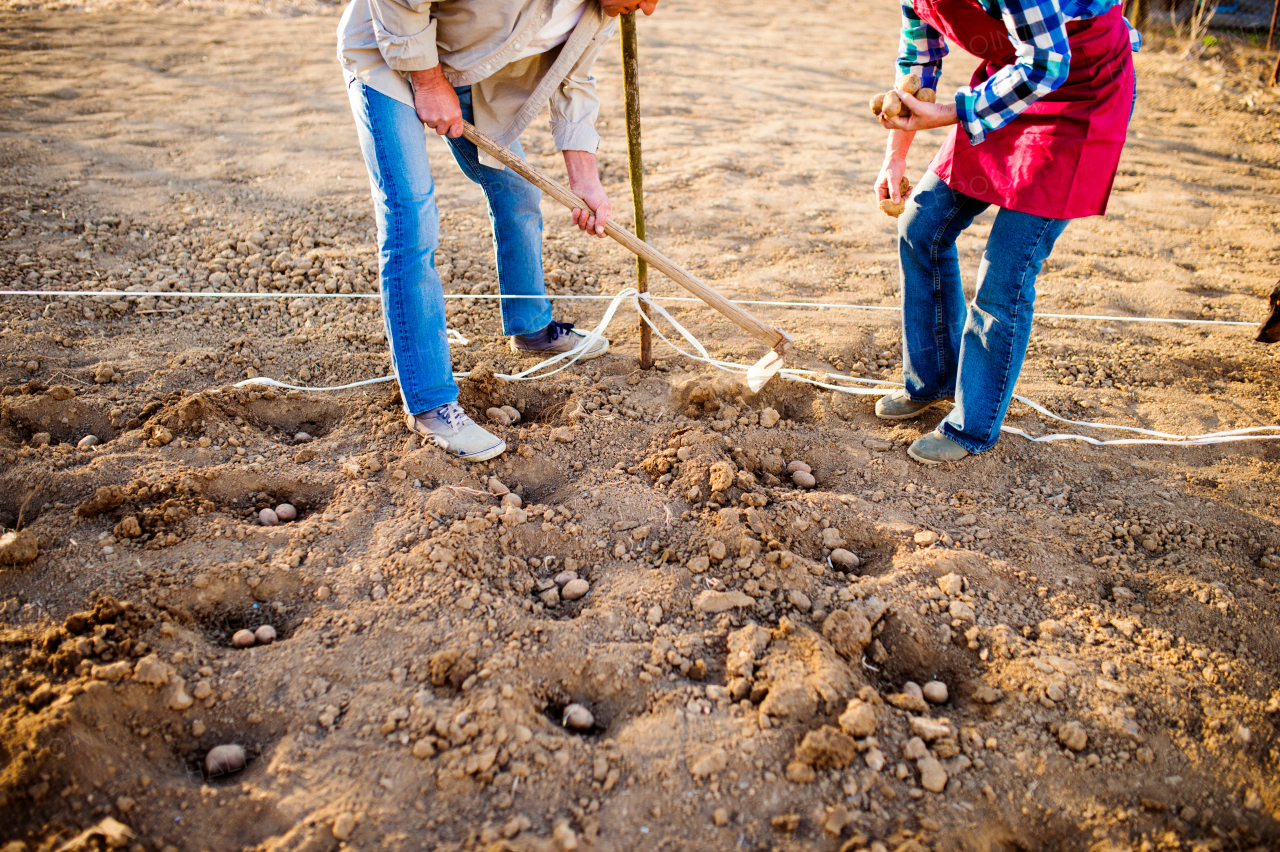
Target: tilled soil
(1050,646)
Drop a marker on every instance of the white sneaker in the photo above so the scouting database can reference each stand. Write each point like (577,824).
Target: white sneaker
(556,338)
(450,429)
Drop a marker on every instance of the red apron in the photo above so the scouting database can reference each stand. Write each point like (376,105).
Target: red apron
(1058,158)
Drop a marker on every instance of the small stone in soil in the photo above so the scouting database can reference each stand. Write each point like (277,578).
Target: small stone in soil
(266,634)
(803,479)
(799,466)
(575,589)
(224,759)
(243,638)
(935,692)
(951,584)
(858,719)
(930,729)
(301,438)
(87,443)
(286,512)
(578,718)
(268,518)
(932,776)
(343,825)
(1073,736)
(565,577)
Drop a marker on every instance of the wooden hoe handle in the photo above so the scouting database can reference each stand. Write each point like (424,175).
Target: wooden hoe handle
(774,338)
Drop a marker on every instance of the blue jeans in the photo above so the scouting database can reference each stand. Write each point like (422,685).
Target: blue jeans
(393,142)
(973,352)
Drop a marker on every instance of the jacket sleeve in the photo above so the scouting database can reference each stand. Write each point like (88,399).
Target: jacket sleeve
(1038,31)
(406,33)
(574,105)
(921,48)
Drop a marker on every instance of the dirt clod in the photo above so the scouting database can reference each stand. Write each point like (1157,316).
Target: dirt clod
(18,547)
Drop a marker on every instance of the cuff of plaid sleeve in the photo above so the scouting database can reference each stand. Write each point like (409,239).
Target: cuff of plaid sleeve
(929,75)
(966,111)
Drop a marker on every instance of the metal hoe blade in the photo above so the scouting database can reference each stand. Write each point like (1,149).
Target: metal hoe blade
(763,370)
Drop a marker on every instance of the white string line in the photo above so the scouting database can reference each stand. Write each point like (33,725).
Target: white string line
(815,378)
(166,294)
(1246,434)
(790,374)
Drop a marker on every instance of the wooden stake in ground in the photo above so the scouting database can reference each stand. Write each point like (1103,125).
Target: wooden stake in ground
(631,86)
(776,339)
(1271,33)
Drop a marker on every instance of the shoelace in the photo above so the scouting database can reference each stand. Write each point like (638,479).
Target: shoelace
(453,415)
(559,329)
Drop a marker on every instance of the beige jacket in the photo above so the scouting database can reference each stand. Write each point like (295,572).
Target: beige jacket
(381,41)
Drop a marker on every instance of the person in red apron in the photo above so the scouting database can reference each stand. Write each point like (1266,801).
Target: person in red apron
(1038,132)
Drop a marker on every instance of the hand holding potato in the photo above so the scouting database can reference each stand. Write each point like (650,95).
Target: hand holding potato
(891,105)
(895,208)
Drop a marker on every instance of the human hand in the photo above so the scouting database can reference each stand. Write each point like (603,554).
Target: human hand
(584,180)
(889,182)
(436,102)
(614,8)
(923,116)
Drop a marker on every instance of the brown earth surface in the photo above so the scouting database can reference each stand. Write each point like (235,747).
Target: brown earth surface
(1103,618)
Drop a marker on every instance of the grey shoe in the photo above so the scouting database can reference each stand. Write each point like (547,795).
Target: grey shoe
(899,406)
(450,429)
(936,448)
(556,338)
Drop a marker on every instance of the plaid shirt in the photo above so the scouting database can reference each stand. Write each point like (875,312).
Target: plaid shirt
(1037,29)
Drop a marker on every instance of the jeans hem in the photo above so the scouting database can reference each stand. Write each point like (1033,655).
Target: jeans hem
(944,395)
(445,399)
(947,429)
(507,332)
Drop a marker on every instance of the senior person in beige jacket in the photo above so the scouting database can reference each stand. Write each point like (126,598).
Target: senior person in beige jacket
(496,63)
